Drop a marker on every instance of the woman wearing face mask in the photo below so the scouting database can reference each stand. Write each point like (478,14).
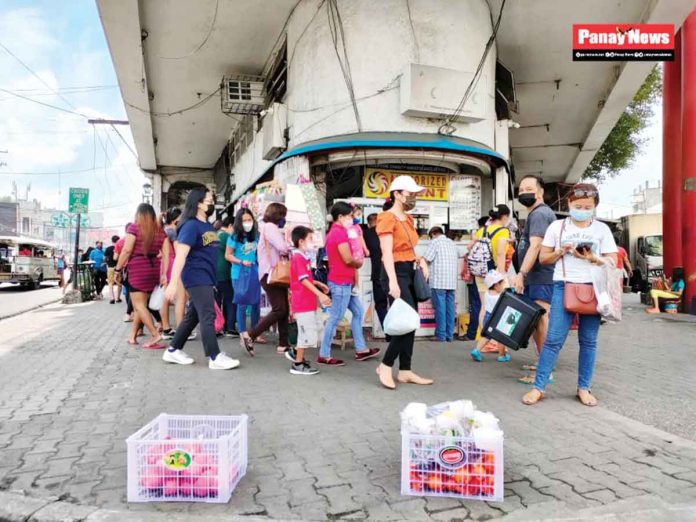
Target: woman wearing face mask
(272,246)
(573,245)
(397,239)
(341,280)
(195,266)
(241,252)
(171,221)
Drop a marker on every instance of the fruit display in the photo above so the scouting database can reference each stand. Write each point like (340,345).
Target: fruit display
(451,449)
(187,458)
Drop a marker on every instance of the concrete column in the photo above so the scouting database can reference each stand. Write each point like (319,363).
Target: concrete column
(688,35)
(671,161)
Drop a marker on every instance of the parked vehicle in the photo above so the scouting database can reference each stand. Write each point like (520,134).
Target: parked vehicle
(27,261)
(642,236)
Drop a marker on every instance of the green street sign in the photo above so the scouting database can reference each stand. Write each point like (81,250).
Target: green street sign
(60,220)
(79,200)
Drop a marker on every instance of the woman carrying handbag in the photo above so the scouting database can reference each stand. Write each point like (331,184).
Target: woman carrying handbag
(574,245)
(272,259)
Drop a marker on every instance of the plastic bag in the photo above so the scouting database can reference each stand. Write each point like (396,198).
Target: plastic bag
(401,319)
(156,298)
(219,319)
(247,289)
(607,281)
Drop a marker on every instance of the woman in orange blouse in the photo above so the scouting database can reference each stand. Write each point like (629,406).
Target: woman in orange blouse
(397,239)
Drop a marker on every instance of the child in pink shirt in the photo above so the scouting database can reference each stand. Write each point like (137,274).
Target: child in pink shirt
(356,241)
(304,293)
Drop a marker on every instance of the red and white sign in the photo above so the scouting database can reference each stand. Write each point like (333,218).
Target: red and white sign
(648,42)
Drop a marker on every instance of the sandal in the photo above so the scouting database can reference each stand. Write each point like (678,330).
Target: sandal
(280,350)
(529,367)
(132,342)
(588,400)
(247,343)
(529,379)
(260,340)
(154,345)
(532,397)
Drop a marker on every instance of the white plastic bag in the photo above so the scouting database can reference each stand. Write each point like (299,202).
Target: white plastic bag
(607,281)
(401,319)
(156,298)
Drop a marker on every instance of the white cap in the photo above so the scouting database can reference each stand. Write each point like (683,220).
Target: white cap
(406,183)
(492,278)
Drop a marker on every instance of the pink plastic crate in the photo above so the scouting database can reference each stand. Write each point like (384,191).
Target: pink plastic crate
(193,458)
(447,466)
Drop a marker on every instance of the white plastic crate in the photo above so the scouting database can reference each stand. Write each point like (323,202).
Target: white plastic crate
(194,458)
(451,466)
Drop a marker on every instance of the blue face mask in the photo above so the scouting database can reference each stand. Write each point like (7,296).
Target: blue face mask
(281,223)
(356,221)
(581,215)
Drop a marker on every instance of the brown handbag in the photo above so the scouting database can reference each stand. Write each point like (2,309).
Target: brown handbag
(279,274)
(578,298)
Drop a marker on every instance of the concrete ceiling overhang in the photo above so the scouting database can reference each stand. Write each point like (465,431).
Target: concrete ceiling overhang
(170,55)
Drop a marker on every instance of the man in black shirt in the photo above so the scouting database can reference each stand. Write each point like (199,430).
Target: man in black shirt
(110,270)
(372,242)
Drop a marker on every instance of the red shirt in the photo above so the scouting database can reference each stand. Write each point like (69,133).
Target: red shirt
(339,272)
(622,255)
(301,299)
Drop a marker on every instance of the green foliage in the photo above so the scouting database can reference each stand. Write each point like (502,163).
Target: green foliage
(624,141)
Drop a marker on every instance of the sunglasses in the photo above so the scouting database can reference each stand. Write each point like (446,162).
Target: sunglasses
(581,193)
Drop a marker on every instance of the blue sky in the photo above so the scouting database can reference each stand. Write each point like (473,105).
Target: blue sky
(63,43)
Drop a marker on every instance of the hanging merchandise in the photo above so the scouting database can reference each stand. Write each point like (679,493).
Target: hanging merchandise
(311,199)
(464,202)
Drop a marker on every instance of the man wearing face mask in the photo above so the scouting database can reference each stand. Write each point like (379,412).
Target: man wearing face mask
(99,268)
(533,278)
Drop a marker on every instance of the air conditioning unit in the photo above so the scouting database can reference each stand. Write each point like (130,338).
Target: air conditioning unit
(242,94)
(435,92)
(274,124)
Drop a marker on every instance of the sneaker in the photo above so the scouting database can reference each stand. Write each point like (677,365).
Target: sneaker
(112,302)
(290,354)
(192,336)
(476,355)
(330,361)
(504,358)
(127,318)
(231,333)
(369,354)
(222,362)
(177,357)
(303,369)
(168,333)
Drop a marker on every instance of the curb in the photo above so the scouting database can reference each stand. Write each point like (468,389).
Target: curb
(18,507)
(3,317)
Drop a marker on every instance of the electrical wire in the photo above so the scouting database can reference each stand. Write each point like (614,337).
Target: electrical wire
(44,104)
(37,76)
(336,29)
(202,44)
(299,38)
(178,111)
(124,141)
(413,31)
(447,128)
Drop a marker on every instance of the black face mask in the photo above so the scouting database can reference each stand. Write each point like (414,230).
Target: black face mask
(527,199)
(209,210)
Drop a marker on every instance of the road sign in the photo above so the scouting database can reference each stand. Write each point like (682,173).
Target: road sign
(84,220)
(60,220)
(79,200)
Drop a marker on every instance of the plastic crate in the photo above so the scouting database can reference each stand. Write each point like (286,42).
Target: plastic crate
(450,466)
(193,458)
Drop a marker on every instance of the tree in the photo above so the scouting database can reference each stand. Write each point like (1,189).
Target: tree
(624,141)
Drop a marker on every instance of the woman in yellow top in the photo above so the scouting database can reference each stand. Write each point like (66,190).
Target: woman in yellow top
(498,233)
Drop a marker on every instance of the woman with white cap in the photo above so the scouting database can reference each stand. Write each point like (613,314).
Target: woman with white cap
(397,239)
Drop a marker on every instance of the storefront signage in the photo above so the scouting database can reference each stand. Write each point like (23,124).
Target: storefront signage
(376,183)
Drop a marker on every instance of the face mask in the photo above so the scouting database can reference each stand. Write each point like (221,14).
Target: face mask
(247,227)
(410,203)
(356,221)
(527,199)
(281,223)
(581,215)
(209,209)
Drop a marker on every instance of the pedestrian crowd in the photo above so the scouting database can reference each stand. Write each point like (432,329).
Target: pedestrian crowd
(217,277)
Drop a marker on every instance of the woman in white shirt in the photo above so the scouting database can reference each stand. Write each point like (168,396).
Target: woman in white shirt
(573,245)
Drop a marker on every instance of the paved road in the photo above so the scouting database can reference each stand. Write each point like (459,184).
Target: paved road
(328,447)
(15,299)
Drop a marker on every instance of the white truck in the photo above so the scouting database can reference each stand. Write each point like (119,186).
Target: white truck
(641,236)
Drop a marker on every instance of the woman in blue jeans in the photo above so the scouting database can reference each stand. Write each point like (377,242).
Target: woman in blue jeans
(341,279)
(573,245)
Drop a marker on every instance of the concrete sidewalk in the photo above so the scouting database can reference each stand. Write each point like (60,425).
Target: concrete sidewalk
(328,447)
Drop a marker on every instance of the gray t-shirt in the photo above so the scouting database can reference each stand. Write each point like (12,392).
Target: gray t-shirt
(538,221)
